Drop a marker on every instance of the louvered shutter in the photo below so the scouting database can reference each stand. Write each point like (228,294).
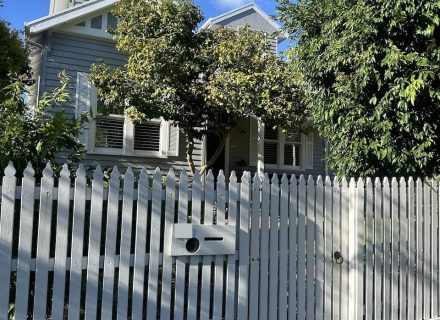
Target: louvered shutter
(85,98)
(309,150)
(173,147)
(253,142)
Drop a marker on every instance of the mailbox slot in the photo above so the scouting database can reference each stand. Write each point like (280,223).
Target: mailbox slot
(199,240)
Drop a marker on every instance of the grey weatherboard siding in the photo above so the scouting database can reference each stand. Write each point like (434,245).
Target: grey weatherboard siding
(76,54)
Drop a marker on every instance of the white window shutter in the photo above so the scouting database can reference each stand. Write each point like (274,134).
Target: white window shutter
(85,96)
(253,142)
(309,150)
(173,146)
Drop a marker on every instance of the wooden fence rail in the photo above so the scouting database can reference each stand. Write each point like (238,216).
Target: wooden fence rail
(305,248)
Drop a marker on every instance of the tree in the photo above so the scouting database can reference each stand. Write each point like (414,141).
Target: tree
(202,81)
(40,134)
(14,62)
(370,71)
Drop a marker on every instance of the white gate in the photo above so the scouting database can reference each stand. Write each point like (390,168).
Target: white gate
(200,249)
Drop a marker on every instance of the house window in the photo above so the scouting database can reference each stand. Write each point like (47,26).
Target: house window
(281,149)
(116,134)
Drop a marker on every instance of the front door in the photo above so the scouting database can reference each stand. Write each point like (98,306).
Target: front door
(211,147)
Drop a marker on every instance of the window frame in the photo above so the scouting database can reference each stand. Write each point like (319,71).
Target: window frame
(280,152)
(128,137)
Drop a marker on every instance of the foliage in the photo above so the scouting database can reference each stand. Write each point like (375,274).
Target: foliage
(14,61)
(370,71)
(40,134)
(201,80)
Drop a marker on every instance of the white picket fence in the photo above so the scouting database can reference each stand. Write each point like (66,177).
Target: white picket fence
(105,252)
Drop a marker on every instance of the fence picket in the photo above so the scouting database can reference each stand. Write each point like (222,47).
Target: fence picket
(94,244)
(110,245)
(369,249)
(25,243)
(412,249)
(194,260)
(125,245)
(320,249)
(387,283)
(230,276)
(301,245)
(360,243)
(403,250)
(345,249)
(394,248)
(337,247)
(378,250)
(243,247)
(419,253)
(62,231)
(293,218)
(206,261)
(283,269)
(153,263)
(179,306)
(255,248)
(141,244)
(219,260)
(310,248)
(273,248)
(6,230)
(328,248)
(435,249)
(352,249)
(264,241)
(427,271)
(43,244)
(167,264)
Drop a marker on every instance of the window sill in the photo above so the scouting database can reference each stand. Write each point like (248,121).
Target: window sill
(112,152)
(276,167)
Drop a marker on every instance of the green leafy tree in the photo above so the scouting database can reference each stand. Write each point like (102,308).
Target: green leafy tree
(370,71)
(14,62)
(202,81)
(40,134)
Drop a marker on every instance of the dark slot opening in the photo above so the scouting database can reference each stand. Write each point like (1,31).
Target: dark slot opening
(214,239)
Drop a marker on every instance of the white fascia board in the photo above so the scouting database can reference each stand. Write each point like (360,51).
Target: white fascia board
(68,15)
(213,21)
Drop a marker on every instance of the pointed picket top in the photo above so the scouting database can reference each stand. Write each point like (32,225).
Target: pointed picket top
(394,182)
(48,172)
(256,181)
(98,174)
(170,174)
(284,179)
(157,176)
(310,181)
(183,177)
(344,182)
(302,181)
(129,173)
(209,176)
(266,178)
(143,180)
(274,179)
(402,182)
(197,175)
(386,182)
(336,181)
(221,177)
(246,178)
(115,173)
(360,182)
(10,169)
(377,183)
(29,172)
(319,180)
(410,180)
(81,172)
(352,182)
(369,182)
(328,181)
(233,177)
(293,180)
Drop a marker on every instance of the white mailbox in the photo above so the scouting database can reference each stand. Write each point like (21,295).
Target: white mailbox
(200,240)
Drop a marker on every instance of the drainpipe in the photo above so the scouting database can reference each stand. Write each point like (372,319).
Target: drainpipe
(57,6)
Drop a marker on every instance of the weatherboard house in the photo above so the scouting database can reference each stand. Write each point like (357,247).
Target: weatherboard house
(74,36)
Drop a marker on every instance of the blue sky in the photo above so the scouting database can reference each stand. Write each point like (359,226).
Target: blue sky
(19,11)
